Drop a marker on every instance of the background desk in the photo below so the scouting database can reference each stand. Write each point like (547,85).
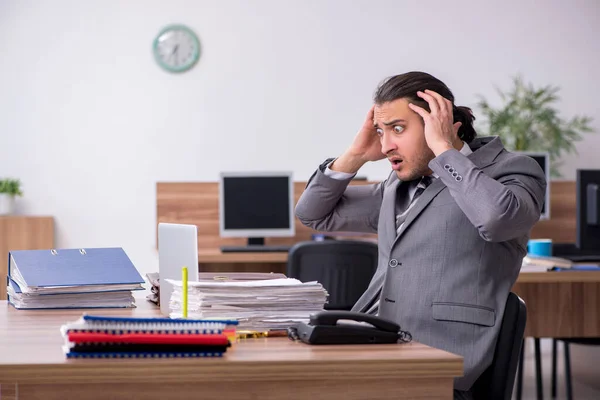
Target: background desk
(561,304)
(213,260)
(32,364)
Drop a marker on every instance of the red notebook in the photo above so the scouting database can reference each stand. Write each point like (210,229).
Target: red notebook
(148,338)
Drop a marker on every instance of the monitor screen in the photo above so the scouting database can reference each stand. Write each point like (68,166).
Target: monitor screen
(543,159)
(256,204)
(588,210)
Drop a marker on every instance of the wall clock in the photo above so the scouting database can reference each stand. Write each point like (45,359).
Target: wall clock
(176,48)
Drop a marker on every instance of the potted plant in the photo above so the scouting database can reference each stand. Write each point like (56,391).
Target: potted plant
(528,120)
(9,188)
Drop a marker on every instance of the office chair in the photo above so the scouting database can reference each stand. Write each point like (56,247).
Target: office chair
(567,342)
(343,267)
(497,382)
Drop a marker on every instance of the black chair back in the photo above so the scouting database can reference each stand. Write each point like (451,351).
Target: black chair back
(343,267)
(497,382)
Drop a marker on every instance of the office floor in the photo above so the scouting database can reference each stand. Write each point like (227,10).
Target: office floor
(582,390)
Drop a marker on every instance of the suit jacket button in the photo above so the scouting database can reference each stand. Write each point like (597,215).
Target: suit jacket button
(393,263)
(447,167)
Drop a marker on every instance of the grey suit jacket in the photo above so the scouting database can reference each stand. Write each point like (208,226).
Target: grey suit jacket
(446,276)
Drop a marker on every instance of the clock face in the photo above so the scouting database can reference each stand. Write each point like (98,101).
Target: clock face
(176,48)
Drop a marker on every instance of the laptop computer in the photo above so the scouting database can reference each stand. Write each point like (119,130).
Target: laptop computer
(177,248)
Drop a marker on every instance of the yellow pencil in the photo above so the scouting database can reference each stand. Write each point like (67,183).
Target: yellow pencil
(184,283)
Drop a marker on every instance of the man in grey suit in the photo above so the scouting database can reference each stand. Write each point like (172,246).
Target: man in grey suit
(452,218)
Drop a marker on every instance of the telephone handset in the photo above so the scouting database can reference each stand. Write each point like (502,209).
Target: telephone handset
(348,327)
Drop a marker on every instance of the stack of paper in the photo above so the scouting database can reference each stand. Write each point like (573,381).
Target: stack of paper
(256,304)
(154,295)
(72,278)
(154,279)
(533,263)
(118,337)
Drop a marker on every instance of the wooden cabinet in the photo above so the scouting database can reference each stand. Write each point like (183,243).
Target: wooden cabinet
(22,233)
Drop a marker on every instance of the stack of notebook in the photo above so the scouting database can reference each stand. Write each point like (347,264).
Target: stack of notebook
(258,305)
(71,278)
(118,337)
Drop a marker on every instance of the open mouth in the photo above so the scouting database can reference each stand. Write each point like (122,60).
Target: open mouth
(396,162)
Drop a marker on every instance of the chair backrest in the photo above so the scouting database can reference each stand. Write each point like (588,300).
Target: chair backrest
(497,382)
(343,267)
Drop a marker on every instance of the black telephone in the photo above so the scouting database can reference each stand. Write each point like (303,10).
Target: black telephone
(327,327)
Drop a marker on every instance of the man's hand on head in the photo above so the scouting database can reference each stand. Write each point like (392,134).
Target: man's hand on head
(441,135)
(365,147)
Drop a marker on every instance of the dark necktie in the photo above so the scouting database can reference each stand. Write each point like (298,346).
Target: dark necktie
(421,186)
(400,218)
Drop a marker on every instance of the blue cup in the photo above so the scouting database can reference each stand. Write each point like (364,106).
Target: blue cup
(540,247)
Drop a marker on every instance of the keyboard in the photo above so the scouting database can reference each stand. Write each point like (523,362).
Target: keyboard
(570,251)
(256,249)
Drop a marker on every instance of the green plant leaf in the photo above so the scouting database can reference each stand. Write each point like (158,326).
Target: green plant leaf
(528,120)
(11,187)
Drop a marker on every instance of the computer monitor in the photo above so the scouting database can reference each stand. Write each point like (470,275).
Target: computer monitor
(588,210)
(587,245)
(543,159)
(256,205)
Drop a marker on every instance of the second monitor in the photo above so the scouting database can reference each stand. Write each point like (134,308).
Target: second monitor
(255,205)
(543,160)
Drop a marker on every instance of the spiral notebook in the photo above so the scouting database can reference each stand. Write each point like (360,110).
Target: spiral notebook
(124,337)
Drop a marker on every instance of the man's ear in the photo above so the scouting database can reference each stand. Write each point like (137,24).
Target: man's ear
(455,128)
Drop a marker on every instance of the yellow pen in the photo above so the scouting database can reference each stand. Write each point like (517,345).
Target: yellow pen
(184,283)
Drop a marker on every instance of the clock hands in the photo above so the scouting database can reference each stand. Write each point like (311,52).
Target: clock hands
(175,52)
(176,48)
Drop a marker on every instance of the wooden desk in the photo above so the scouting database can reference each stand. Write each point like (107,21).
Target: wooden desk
(32,365)
(561,304)
(213,260)
(22,233)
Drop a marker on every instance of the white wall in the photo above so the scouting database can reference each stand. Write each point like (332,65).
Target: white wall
(90,123)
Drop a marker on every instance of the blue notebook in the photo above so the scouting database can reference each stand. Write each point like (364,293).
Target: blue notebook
(70,267)
(87,269)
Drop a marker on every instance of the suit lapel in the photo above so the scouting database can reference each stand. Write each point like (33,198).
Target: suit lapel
(422,202)
(388,207)
(485,150)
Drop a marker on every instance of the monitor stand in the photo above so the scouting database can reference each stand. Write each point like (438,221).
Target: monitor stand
(570,251)
(256,241)
(255,245)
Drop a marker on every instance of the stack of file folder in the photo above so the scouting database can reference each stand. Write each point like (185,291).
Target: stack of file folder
(72,278)
(118,337)
(258,305)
